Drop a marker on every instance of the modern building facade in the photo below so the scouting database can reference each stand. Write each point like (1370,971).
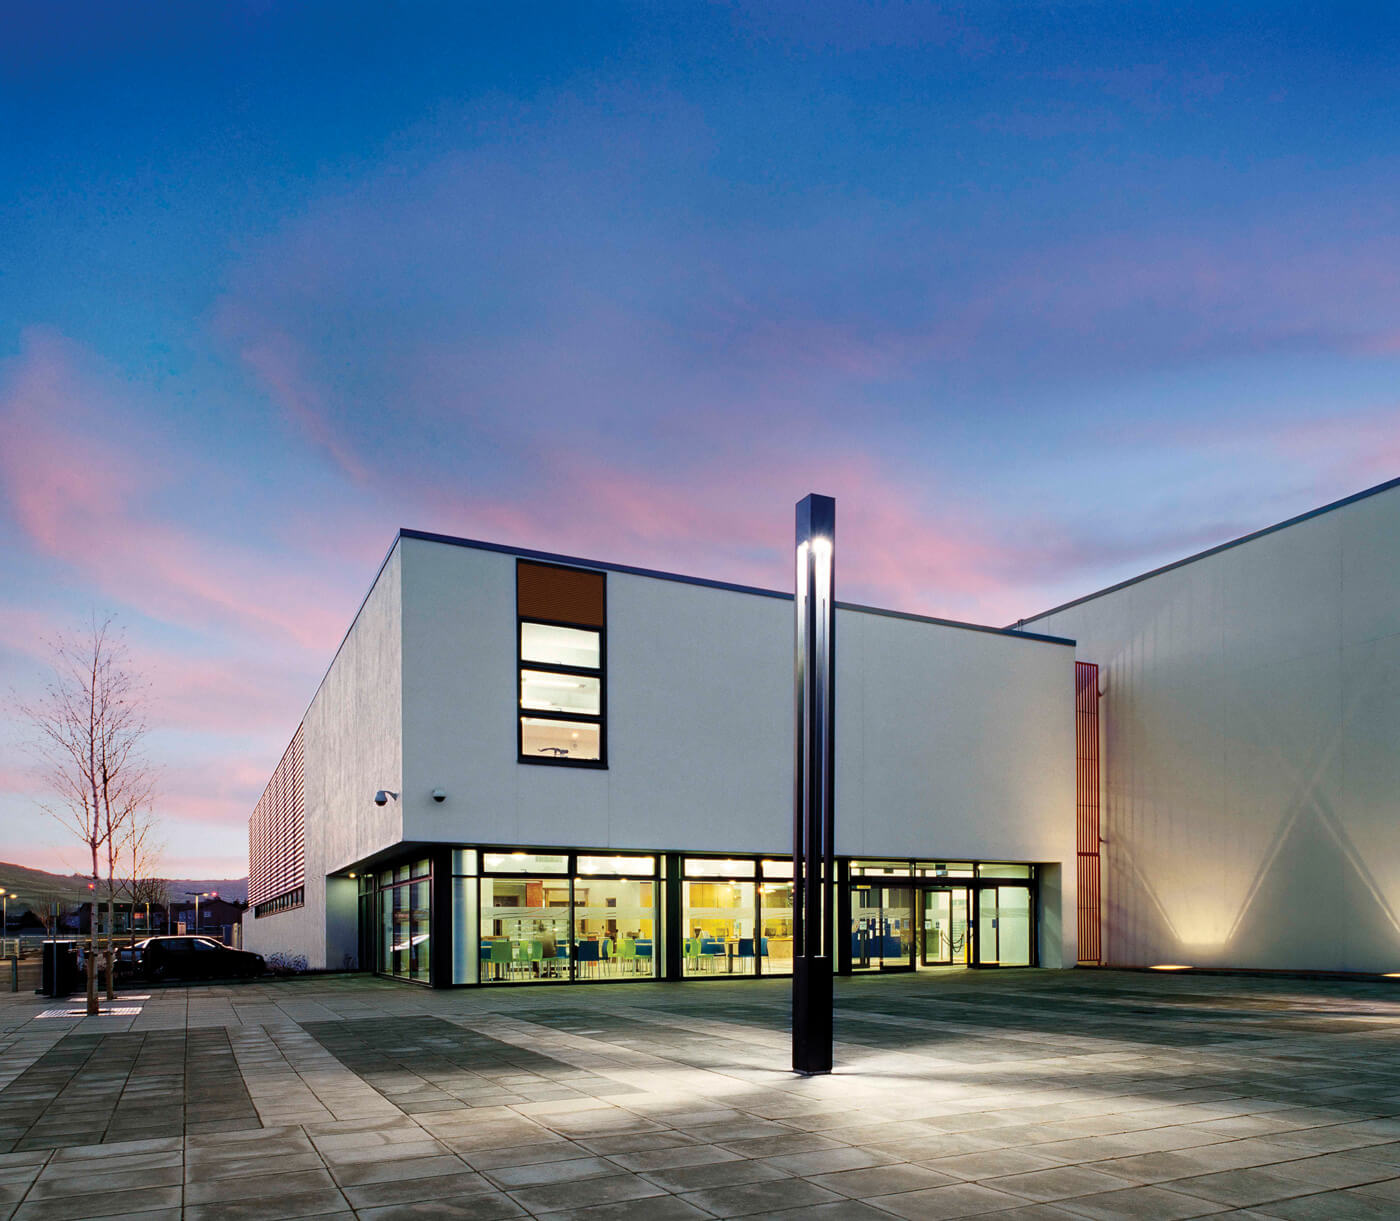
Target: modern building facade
(533,769)
(528,768)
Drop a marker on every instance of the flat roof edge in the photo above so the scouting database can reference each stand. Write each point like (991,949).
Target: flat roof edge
(1216,550)
(550,557)
(574,561)
(958,623)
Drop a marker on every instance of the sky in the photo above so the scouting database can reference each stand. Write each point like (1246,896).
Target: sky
(1044,294)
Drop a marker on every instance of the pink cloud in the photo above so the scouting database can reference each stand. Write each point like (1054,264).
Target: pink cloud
(80,487)
(277,364)
(1384,344)
(729,519)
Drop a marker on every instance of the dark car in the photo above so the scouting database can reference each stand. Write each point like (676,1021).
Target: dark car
(192,957)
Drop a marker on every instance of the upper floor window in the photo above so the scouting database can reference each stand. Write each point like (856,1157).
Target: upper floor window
(561,650)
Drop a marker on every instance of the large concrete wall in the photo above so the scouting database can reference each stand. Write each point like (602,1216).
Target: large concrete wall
(1251,720)
(951,742)
(352,746)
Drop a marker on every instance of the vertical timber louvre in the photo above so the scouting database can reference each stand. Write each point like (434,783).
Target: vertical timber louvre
(276,835)
(1086,780)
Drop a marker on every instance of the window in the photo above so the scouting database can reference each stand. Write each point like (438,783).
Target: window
(525,862)
(405,919)
(286,902)
(524,930)
(560,695)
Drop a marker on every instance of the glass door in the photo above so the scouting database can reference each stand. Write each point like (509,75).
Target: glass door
(882,928)
(1004,926)
(947,930)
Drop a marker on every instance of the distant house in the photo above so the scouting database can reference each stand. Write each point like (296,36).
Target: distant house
(216,916)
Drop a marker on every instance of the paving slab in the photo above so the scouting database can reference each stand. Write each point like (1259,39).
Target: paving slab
(1026,1095)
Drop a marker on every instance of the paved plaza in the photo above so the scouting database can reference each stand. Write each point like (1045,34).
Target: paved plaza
(1027,1094)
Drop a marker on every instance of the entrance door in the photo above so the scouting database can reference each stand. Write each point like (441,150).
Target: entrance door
(1004,926)
(947,927)
(882,928)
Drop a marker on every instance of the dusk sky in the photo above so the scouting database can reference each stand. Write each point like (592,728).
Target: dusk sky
(1044,295)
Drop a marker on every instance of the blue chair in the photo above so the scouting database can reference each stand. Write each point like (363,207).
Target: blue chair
(644,956)
(763,947)
(745,948)
(710,949)
(589,955)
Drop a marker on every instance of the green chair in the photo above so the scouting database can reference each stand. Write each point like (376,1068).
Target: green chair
(501,958)
(627,953)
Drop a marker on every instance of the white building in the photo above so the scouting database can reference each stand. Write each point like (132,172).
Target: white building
(585,772)
(1251,747)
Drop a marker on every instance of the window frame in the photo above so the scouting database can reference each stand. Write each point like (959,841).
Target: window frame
(579,718)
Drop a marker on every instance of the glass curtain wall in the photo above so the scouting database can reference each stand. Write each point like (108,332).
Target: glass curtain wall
(615,918)
(775,909)
(941,913)
(525,919)
(532,917)
(736,917)
(720,915)
(405,920)
(567,916)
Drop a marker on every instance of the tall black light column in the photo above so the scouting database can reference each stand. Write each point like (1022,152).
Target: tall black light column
(813,808)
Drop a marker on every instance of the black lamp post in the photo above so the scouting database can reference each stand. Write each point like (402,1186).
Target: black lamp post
(813,807)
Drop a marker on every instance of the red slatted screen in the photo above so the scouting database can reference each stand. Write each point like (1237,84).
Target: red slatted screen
(276,839)
(564,595)
(1086,775)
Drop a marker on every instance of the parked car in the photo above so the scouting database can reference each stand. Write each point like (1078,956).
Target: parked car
(158,958)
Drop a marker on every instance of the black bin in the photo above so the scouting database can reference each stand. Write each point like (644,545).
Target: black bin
(60,969)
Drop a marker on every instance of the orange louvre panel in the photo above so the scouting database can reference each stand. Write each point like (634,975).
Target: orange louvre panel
(1087,831)
(561,595)
(276,832)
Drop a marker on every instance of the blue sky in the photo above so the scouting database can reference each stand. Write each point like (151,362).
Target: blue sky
(1045,295)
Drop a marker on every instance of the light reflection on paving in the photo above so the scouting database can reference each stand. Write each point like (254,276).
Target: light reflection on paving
(1025,1094)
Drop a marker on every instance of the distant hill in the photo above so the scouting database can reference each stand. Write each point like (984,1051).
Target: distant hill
(33,885)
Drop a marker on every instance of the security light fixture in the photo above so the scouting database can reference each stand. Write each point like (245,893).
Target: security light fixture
(383,797)
(439,796)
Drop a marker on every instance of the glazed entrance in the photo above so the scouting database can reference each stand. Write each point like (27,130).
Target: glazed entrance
(941,915)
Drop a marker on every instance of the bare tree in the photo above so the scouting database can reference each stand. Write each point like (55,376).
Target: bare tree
(49,906)
(88,727)
(142,853)
(125,790)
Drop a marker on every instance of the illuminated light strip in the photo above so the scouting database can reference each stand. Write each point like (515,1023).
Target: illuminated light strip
(1169,966)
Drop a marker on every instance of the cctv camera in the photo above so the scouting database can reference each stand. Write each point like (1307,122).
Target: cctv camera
(381,798)
(439,796)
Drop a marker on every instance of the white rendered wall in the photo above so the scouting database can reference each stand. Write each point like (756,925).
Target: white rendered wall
(1250,729)
(352,747)
(950,742)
